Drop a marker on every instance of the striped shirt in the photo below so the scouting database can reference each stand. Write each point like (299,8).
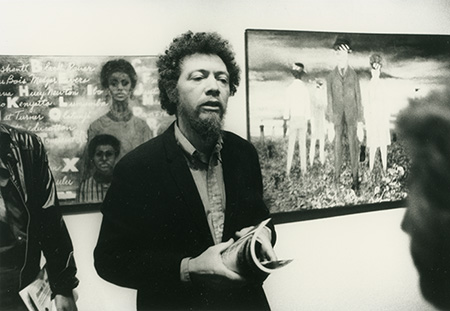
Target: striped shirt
(92,191)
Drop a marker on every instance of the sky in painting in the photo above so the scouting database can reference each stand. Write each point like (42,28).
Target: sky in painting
(405,55)
(413,66)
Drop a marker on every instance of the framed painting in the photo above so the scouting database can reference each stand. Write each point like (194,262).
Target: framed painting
(87,116)
(322,110)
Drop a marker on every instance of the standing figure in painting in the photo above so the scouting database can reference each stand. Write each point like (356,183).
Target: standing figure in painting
(103,151)
(318,110)
(119,79)
(177,201)
(345,109)
(297,111)
(377,115)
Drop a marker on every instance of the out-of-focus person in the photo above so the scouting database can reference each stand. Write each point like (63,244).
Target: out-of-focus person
(31,223)
(425,130)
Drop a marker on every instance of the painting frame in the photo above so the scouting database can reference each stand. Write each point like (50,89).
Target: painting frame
(270,57)
(64,101)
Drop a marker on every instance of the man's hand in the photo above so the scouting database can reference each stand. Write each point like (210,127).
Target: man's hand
(65,303)
(208,268)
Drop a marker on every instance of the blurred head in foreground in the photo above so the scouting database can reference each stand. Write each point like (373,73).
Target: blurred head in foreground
(425,128)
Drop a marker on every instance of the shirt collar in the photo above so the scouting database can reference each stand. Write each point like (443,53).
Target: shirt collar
(193,155)
(342,70)
(183,141)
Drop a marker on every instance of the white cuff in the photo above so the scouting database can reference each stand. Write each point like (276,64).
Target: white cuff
(184,270)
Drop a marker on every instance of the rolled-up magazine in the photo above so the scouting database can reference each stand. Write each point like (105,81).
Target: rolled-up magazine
(244,256)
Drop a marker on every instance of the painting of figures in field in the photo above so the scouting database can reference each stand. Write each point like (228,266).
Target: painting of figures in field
(323,108)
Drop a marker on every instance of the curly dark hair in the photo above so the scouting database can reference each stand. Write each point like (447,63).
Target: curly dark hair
(188,44)
(117,65)
(103,139)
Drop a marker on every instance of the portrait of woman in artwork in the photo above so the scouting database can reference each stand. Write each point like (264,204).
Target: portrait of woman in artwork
(118,80)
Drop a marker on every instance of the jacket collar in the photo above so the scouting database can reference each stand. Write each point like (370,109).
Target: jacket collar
(9,157)
(3,129)
(6,152)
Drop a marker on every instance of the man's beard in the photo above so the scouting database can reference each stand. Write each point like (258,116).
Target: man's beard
(207,125)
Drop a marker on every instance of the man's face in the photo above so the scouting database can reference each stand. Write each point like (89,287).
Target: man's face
(119,85)
(104,159)
(203,90)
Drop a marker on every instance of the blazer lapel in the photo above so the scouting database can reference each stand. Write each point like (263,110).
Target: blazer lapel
(231,180)
(185,182)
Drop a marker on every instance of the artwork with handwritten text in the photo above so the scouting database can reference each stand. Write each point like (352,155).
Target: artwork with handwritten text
(88,110)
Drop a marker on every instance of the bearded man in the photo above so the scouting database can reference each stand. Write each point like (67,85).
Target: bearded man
(178,201)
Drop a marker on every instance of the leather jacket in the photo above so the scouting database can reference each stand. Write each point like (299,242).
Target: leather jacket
(34,213)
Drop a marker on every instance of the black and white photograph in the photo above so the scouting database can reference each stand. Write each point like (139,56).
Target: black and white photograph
(224,155)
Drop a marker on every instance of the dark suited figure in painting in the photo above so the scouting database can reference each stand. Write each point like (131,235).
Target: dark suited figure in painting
(178,201)
(344,108)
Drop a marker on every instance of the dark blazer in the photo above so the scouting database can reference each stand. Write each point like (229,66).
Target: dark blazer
(153,217)
(344,97)
(34,215)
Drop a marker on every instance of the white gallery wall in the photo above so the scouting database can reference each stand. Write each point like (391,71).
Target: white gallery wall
(356,262)
(146,27)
